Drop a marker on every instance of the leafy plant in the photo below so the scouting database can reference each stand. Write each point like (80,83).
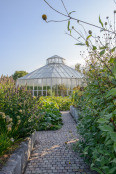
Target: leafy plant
(50,117)
(61,103)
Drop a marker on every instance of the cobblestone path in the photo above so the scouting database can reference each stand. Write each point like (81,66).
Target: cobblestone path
(53,153)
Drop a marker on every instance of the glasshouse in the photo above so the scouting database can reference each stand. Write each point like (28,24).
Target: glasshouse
(55,78)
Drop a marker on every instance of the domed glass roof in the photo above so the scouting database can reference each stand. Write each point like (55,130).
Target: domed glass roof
(55,68)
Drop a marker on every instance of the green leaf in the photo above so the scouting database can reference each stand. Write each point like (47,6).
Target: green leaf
(111,60)
(108,142)
(113,49)
(113,136)
(72,12)
(82,44)
(101,48)
(94,47)
(114,68)
(114,160)
(102,120)
(97,170)
(112,170)
(68,25)
(102,52)
(108,116)
(100,22)
(87,43)
(112,92)
(88,37)
(106,128)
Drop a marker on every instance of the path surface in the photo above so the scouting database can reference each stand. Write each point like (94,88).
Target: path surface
(53,153)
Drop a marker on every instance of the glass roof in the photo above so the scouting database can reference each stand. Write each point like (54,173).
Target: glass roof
(55,68)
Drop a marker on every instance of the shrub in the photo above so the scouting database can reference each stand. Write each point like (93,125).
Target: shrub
(97,120)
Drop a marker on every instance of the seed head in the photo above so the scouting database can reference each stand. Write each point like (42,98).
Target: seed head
(72,27)
(44,17)
(105,23)
(90,32)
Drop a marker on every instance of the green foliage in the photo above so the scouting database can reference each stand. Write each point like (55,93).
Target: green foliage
(50,107)
(61,103)
(78,67)
(19,74)
(81,44)
(100,22)
(97,119)
(5,143)
(50,117)
(68,25)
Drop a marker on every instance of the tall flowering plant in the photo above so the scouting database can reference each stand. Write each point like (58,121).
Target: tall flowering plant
(18,110)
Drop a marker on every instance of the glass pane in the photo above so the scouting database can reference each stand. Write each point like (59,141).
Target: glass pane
(35,93)
(28,87)
(44,93)
(35,87)
(31,87)
(39,93)
(39,87)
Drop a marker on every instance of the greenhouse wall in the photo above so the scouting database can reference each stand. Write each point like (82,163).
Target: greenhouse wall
(47,87)
(55,78)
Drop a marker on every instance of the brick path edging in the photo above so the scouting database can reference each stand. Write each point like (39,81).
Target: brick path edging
(18,160)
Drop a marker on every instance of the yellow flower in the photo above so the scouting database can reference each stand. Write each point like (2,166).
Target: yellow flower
(44,17)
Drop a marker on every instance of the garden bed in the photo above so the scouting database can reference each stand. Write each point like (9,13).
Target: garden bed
(18,160)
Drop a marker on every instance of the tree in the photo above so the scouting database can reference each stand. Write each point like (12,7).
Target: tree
(78,67)
(19,74)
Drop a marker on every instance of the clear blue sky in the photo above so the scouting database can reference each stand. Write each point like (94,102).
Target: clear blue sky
(26,41)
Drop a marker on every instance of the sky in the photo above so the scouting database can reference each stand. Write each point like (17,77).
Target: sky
(26,41)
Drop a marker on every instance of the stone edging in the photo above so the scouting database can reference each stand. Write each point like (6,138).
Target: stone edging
(18,160)
(74,113)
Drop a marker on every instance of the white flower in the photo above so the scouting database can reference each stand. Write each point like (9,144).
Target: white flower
(7,118)
(3,115)
(12,139)
(18,117)
(20,111)
(19,121)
